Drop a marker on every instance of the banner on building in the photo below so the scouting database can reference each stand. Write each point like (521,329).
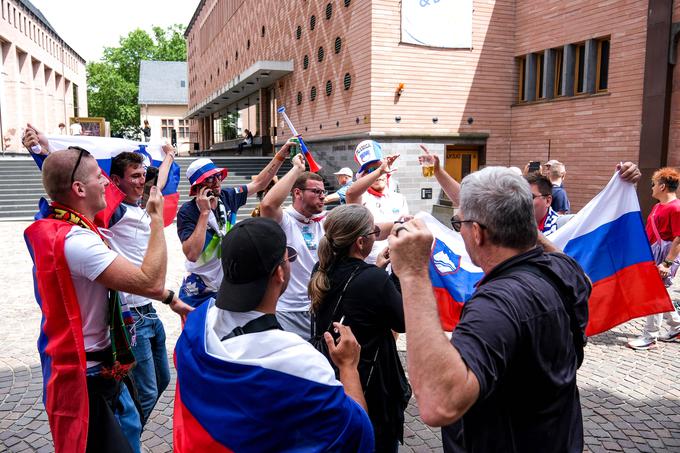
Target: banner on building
(437,23)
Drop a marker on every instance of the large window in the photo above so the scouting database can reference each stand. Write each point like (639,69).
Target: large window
(558,65)
(521,67)
(183,129)
(602,77)
(75,100)
(167,125)
(539,76)
(580,68)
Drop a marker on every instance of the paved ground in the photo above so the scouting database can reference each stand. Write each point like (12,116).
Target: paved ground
(630,399)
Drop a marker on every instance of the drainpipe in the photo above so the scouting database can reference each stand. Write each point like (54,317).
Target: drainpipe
(656,97)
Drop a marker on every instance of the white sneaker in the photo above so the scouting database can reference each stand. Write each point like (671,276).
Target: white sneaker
(642,343)
(670,336)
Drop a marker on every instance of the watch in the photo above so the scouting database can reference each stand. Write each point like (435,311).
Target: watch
(168,300)
(668,263)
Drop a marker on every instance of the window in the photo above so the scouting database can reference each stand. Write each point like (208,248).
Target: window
(75,100)
(183,129)
(602,75)
(347,81)
(167,125)
(539,76)
(521,66)
(559,63)
(580,68)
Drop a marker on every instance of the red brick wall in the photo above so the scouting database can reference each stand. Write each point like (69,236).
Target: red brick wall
(224,34)
(674,130)
(590,134)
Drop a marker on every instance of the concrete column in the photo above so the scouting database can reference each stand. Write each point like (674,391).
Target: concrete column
(265,122)
(568,70)
(590,69)
(548,74)
(530,78)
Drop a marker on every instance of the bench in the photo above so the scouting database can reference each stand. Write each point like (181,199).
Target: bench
(254,149)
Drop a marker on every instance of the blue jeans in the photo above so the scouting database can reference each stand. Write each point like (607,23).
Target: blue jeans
(129,419)
(152,373)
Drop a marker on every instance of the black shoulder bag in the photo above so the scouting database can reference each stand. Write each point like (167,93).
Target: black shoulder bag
(317,340)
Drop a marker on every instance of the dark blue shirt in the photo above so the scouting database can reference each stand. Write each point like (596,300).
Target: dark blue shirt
(187,217)
(560,201)
(515,336)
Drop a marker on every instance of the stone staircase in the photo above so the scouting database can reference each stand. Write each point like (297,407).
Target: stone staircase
(21,184)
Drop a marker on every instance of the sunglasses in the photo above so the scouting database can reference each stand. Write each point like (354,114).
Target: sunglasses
(292,255)
(317,192)
(83,152)
(456,223)
(212,179)
(376,231)
(534,196)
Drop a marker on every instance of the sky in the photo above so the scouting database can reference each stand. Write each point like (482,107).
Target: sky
(90,25)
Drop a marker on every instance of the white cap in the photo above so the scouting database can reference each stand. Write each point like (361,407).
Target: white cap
(344,171)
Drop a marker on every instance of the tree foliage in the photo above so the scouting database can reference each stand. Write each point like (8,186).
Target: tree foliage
(113,82)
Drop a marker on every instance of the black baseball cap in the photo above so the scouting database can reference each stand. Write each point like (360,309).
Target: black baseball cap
(250,252)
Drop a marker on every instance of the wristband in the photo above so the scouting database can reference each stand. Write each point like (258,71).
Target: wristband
(168,300)
(668,263)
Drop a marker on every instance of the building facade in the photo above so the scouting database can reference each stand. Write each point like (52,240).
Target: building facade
(42,79)
(588,83)
(163,102)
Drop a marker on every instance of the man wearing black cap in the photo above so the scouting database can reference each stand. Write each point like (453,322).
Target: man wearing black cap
(250,385)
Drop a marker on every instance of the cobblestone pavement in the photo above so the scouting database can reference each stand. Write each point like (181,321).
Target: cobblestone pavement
(630,398)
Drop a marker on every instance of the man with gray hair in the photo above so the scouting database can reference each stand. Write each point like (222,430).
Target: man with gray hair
(507,380)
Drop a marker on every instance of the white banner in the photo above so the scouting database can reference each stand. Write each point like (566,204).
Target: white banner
(437,23)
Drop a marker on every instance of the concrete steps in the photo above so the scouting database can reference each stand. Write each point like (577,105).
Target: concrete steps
(21,185)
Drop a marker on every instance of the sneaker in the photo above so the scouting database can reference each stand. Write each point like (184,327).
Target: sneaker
(670,336)
(642,343)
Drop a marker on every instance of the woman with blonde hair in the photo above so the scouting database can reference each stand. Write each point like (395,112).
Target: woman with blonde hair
(344,288)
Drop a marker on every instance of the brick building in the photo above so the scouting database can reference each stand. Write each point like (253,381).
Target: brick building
(42,79)
(585,82)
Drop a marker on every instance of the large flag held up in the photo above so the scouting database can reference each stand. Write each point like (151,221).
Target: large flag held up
(105,148)
(607,238)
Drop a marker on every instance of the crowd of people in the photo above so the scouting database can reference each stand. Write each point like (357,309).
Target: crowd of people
(292,316)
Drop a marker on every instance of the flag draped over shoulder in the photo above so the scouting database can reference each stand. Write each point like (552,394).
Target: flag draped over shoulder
(607,238)
(264,391)
(60,344)
(105,148)
(452,273)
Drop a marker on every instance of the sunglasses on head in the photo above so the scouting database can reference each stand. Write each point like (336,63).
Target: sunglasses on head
(83,152)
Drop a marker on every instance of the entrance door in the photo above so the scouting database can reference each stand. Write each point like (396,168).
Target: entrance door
(461,161)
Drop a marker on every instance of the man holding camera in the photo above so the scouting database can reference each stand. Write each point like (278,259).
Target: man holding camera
(204,220)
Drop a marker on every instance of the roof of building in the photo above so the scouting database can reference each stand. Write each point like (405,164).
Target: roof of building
(39,15)
(163,82)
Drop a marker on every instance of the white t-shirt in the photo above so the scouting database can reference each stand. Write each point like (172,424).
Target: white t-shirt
(131,228)
(303,235)
(388,208)
(87,257)
(76,129)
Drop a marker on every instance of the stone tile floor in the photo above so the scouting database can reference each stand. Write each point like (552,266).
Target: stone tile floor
(630,399)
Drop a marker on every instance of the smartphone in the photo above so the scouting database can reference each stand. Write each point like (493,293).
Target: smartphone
(534,165)
(151,180)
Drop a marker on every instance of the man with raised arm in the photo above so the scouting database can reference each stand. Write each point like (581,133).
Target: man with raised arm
(85,341)
(204,220)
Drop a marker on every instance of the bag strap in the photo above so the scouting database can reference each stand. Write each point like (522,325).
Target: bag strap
(342,294)
(578,335)
(259,324)
(654,227)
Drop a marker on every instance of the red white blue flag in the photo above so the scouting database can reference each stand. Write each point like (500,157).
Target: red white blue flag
(106,148)
(264,391)
(607,238)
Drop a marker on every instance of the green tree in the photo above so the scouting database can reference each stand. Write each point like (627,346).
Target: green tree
(113,82)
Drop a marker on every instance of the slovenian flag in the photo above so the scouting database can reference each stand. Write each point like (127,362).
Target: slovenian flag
(104,149)
(264,391)
(452,273)
(607,238)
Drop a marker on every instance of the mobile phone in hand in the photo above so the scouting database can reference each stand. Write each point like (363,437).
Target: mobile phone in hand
(534,165)
(151,180)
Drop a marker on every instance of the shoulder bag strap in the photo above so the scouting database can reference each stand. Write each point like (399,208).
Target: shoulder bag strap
(342,294)
(260,324)
(654,227)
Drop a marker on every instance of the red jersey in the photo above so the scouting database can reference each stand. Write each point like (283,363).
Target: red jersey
(667,220)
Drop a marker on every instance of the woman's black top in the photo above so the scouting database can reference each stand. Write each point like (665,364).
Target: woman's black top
(373,308)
